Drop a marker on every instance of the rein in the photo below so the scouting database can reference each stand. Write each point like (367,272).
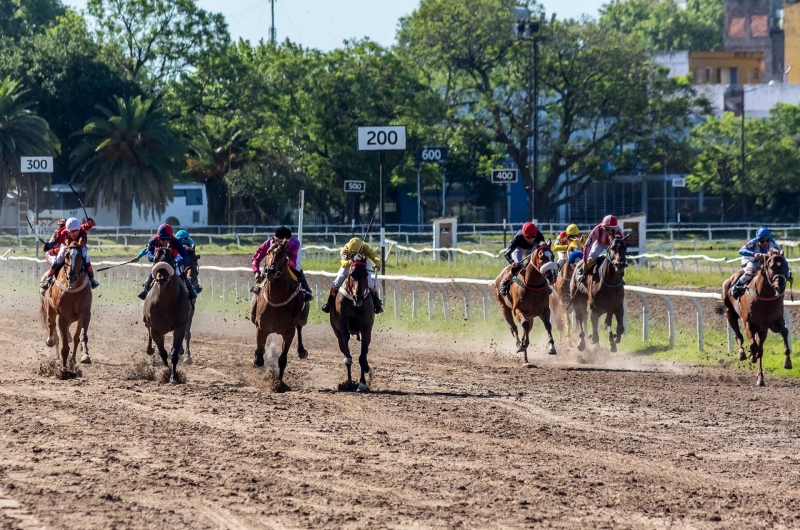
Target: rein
(72,289)
(605,268)
(291,296)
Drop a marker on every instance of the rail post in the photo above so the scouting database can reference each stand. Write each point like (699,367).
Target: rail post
(396,293)
(445,307)
(414,300)
(485,297)
(788,318)
(730,338)
(316,288)
(645,317)
(699,310)
(465,292)
(670,319)
(430,300)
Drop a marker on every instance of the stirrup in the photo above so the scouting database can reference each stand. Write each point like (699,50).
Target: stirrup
(325,308)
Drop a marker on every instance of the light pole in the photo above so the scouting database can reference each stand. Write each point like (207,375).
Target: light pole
(743,172)
(528,29)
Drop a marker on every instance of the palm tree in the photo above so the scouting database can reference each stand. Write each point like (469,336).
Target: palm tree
(22,133)
(128,154)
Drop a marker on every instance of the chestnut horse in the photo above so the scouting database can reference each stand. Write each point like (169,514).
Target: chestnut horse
(760,308)
(561,306)
(354,314)
(529,298)
(167,308)
(68,301)
(603,293)
(279,308)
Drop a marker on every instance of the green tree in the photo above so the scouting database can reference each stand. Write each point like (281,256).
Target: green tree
(19,18)
(155,41)
(600,90)
(129,154)
(667,27)
(22,133)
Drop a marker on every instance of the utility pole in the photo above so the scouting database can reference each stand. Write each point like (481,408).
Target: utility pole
(273,31)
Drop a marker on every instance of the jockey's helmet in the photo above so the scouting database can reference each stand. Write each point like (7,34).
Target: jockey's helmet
(609,221)
(354,245)
(61,223)
(573,230)
(283,232)
(182,234)
(763,233)
(164,231)
(562,235)
(529,229)
(73,224)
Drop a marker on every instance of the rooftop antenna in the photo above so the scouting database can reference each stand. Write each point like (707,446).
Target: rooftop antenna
(273,31)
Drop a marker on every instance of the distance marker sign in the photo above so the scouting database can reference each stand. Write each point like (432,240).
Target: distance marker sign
(355,186)
(505,176)
(391,138)
(36,164)
(432,155)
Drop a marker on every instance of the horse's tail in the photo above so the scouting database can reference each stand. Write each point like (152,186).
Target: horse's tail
(43,309)
(719,308)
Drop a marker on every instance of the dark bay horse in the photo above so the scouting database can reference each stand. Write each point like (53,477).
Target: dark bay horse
(67,301)
(760,308)
(603,294)
(529,298)
(167,308)
(279,308)
(354,314)
(192,269)
(561,306)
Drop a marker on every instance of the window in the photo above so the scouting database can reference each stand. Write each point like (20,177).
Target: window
(759,26)
(734,76)
(736,27)
(718,80)
(707,76)
(196,216)
(194,197)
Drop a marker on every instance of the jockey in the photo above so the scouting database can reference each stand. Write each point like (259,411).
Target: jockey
(165,238)
(569,241)
(599,240)
(282,235)
(72,232)
(184,239)
(349,251)
(762,244)
(521,246)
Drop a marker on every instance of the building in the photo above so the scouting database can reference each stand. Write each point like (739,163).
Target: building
(726,68)
(791,37)
(757,26)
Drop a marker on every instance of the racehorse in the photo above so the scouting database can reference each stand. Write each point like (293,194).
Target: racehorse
(529,298)
(167,308)
(760,308)
(603,293)
(561,306)
(279,308)
(192,269)
(68,301)
(353,313)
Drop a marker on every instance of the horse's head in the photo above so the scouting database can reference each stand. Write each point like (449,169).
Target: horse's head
(541,256)
(73,263)
(277,261)
(776,269)
(163,255)
(191,267)
(357,284)
(618,253)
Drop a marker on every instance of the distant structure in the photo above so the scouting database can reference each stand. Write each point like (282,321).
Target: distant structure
(757,26)
(273,31)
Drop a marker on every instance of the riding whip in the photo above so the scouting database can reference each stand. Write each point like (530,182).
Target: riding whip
(369,226)
(34,231)
(134,260)
(79,200)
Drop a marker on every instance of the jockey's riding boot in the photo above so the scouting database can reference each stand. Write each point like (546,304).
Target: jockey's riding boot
(308,295)
(329,304)
(198,289)
(738,288)
(189,288)
(506,285)
(147,284)
(48,279)
(94,283)
(256,285)
(376,302)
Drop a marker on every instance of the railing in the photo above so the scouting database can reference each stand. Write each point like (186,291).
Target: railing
(224,283)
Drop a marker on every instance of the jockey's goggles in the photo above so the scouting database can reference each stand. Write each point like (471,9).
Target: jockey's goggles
(282,239)
(763,240)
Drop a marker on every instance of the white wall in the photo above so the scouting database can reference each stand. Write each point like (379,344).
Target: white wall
(677,62)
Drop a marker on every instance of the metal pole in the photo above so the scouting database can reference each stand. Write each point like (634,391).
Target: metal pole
(419,199)
(508,203)
(742,179)
(273,31)
(444,183)
(383,223)
(534,192)
(300,218)
(36,212)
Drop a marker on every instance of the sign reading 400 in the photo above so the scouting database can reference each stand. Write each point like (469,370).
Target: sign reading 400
(392,138)
(505,176)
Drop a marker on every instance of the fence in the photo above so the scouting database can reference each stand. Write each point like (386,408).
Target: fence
(226,283)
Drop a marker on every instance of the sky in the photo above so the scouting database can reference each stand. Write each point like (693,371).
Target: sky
(325,24)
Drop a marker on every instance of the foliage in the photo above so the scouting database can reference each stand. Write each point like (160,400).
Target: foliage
(20,18)
(22,133)
(666,26)
(129,154)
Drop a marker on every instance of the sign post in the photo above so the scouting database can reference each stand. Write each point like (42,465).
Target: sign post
(430,155)
(36,165)
(353,188)
(508,177)
(300,220)
(382,139)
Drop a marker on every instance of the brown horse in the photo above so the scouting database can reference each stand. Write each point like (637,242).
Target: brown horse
(529,298)
(279,308)
(561,306)
(603,293)
(167,308)
(68,301)
(760,308)
(354,314)
(192,269)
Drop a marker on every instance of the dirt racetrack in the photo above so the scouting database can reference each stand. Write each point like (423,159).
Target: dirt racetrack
(454,435)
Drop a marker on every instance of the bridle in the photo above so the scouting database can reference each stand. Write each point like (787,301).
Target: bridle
(164,255)
(358,296)
(776,280)
(614,260)
(73,270)
(536,262)
(272,269)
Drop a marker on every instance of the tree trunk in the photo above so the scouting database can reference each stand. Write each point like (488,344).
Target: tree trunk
(125,210)
(5,181)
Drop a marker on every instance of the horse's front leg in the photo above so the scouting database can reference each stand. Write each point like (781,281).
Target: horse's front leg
(83,328)
(761,338)
(261,345)
(158,338)
(76,342)
(366,338)
(752,336)
(301,350)
(580,319)
(177,343)
(63,335)
(779,326)
(551,348)
(526,332)
(288,337)
(343,336)
(620,314)
(608,321)
(595,317)
(51,323)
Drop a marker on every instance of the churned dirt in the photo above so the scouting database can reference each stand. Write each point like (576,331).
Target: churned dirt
(454,434)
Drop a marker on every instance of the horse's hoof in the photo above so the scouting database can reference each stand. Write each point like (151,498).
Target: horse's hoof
(50,343)
(551,350)
(742,356)
(362,388)
(172,380)
(787,364)
(613,347)
(348,361)
(760,382)
(151,351)
(85,359)
(581,346)
(188,361)
(258,363)
(528,365)
(302,354)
